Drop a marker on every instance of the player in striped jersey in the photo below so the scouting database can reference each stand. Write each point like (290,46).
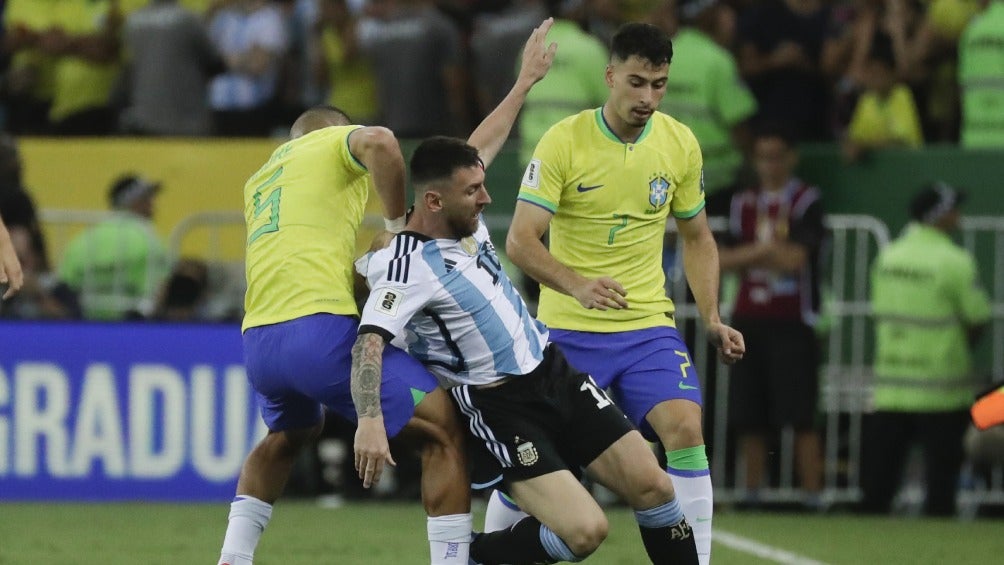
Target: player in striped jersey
(303,208)
(441,286)
(603,183)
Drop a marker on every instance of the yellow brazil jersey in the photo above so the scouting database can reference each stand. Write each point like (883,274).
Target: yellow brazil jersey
(302,210)
(610,202)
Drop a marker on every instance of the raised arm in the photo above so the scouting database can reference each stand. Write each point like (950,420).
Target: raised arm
(377,149)
(371,447)
(493,131)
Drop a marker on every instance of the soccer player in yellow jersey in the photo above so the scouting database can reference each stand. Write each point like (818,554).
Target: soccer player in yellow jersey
(605,182)
(303,209)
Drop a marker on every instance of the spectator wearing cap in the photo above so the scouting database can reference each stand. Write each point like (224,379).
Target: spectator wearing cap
(929,310)
(118,265)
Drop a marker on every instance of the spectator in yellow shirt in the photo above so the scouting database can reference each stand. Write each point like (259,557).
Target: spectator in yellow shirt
(885,114)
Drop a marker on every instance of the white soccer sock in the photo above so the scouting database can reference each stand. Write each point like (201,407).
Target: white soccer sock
(450,539)
(248,518)
(688,469)
(501,513)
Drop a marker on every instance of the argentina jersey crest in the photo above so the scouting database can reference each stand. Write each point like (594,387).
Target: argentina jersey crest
(658,192)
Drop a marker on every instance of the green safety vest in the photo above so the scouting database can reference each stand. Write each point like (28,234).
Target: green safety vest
(981,78)
(705,92)
(925,295)
(574,83)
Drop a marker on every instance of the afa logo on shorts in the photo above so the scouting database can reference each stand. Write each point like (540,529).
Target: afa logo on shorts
(526,453)
(658,191)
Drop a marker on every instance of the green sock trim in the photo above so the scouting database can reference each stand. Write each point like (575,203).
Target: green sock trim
(506,496)
(417,395)
(688,459)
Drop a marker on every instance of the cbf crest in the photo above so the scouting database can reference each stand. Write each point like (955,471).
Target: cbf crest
(658,191)
(526,453)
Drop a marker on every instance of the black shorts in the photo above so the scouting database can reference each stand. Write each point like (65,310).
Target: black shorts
(777,382)
(551,419)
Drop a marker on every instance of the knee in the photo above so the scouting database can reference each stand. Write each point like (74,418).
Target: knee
(587,535)
(653,487)
(683,433)
(290,442)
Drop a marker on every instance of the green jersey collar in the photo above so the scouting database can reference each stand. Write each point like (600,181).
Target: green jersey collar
(601,123)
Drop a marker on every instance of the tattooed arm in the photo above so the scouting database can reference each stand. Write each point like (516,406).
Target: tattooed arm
(371,447)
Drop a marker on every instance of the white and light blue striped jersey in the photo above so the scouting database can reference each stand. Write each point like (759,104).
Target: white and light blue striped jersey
(454,305)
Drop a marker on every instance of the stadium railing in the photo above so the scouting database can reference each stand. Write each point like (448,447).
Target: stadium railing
(845,328)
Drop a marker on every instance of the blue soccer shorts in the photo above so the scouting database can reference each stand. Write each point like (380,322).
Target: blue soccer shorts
(641,368)
(296,367)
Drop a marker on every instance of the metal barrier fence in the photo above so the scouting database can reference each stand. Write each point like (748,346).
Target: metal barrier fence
(984,237)
(845,379)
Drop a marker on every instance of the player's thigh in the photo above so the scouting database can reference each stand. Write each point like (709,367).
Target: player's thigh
(663,371)
(562,504)
(601,355)
(515,425)
(410,396)
(629,468)
(297,365)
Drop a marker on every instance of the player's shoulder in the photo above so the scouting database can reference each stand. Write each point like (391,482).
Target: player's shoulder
(401,262)
(573,125)
(673,133)
(664,124)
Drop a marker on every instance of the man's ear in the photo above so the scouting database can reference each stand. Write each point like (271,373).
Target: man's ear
(433,200)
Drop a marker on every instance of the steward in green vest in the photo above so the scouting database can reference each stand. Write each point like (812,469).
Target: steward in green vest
(981,78)
(927,304)
(929,310)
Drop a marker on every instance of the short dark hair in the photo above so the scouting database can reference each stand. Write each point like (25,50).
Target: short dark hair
(642,40)
(318,117)
(436,158)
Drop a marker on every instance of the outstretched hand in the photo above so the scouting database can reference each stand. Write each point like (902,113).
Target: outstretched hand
(730,343)
(371,449)
(537,54)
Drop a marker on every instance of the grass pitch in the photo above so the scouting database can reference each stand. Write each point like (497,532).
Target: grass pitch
(394,534)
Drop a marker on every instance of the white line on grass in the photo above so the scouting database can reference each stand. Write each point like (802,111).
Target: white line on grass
(762,550)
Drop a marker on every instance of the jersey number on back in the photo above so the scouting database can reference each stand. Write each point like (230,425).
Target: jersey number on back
(270,203)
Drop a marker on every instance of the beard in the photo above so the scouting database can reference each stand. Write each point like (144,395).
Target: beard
(462,226)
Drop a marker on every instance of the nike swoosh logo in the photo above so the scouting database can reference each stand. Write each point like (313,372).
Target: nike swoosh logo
(687,387)
(588,188)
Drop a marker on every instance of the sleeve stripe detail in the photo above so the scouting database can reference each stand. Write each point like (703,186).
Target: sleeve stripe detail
(371,329)
(400,265)
(687,214)
(348,149)
(538,201)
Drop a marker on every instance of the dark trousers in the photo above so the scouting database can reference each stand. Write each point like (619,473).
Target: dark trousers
(887,440)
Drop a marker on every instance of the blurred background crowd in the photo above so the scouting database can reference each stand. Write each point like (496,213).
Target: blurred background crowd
(245,67)
(859,75)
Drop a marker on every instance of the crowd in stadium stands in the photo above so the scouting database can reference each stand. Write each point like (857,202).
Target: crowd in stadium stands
(867,72)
